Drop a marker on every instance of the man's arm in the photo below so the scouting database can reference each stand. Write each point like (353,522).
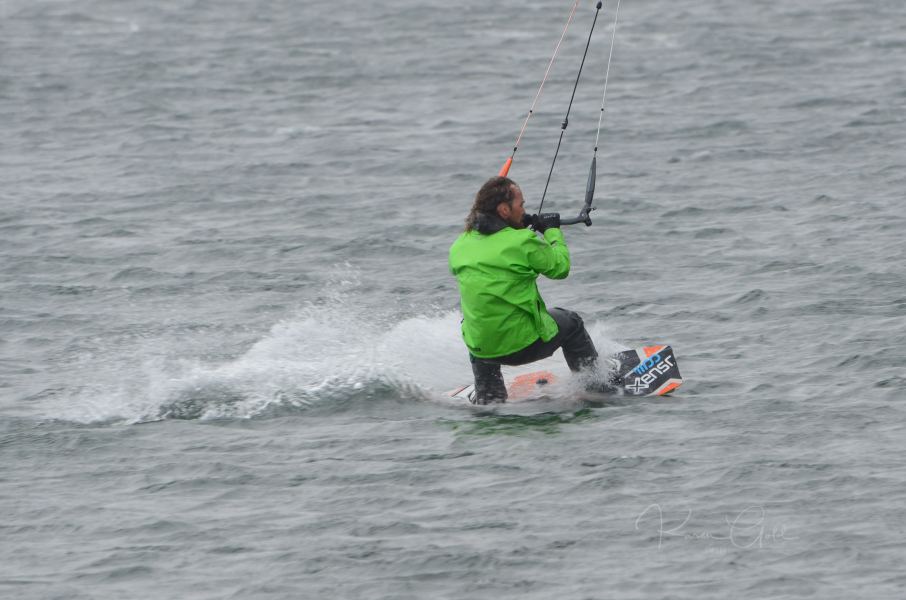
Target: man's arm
(550,256)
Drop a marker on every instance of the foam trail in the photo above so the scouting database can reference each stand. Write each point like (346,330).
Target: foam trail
(320,357)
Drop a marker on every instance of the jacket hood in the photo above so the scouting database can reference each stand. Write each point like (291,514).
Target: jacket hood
(488,224)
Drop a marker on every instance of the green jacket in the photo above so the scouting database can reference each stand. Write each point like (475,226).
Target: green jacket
(496,272)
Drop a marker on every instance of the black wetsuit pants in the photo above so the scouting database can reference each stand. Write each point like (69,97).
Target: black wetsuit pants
(578,349)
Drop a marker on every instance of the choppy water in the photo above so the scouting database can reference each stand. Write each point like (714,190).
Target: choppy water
(226,322)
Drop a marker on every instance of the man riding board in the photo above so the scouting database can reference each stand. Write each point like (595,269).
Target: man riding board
(496,261)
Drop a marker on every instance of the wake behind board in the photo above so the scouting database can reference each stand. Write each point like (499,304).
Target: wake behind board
(645,371)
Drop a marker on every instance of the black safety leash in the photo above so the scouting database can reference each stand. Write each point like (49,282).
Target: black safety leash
(592,170)
(569,108)
(584,214)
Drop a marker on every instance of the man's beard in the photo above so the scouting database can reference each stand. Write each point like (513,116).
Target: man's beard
(514,223)
(524,222)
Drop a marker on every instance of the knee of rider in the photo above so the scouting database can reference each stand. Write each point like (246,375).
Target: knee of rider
(576,324)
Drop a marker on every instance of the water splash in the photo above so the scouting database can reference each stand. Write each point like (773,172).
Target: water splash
(330,357)
(319,357)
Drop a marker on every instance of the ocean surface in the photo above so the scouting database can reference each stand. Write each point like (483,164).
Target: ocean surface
(227,325)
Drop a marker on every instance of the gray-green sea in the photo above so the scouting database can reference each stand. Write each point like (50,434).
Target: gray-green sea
(227,323)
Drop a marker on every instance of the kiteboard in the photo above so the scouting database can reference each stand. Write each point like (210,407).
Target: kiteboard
(645,371)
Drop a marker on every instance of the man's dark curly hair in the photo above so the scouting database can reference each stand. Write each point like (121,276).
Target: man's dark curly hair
(494,191)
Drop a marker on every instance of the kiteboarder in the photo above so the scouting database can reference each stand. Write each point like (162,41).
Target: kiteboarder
(496,261)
